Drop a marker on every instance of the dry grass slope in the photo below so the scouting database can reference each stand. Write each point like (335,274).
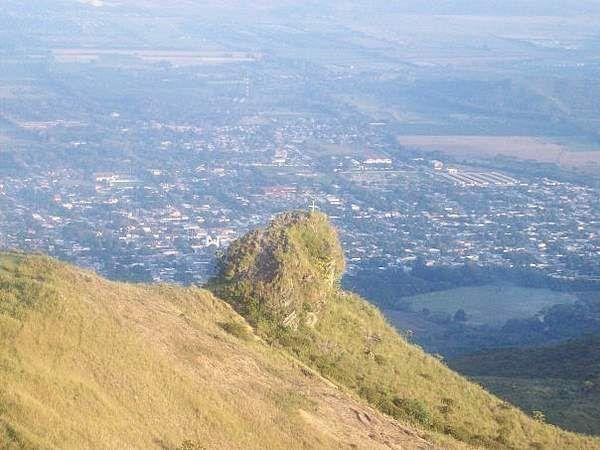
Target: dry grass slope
(88,363)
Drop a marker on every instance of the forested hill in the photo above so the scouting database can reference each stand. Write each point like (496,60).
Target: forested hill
(561,382)
(577,359)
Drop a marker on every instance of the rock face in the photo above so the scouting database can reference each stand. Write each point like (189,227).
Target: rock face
(285,272)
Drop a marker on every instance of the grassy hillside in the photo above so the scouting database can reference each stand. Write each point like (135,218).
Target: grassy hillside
(562,381)
(88,363)
(348,341)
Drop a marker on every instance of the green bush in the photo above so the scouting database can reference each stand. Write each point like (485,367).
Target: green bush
(413,410)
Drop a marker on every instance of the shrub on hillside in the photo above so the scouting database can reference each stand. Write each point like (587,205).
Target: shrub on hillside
(413,410)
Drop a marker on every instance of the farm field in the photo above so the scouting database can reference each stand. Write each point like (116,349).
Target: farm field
(176,57)
(522,147)
(489,304)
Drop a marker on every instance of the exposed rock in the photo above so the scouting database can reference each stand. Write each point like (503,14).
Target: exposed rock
(287,270)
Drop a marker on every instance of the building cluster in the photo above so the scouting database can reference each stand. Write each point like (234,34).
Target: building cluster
(165,218)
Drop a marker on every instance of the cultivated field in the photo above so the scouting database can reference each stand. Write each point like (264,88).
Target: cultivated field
(490,304)
(522,147)
(175,57)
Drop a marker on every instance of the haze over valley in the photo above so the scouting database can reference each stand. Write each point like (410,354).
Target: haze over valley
(454,146)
